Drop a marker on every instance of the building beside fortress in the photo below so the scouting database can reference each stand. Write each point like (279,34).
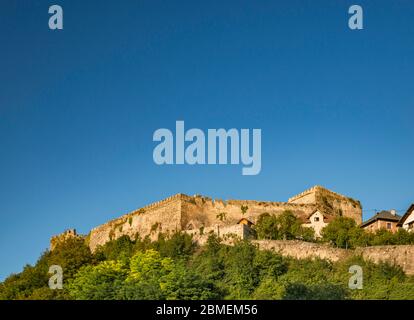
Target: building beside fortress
(200,216)
(387,220)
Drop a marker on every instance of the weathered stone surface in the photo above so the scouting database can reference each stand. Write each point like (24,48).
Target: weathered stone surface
(201,216)
(303,250)
(330,202)
(70,233)
(161,216)
(401,255)
(194,213)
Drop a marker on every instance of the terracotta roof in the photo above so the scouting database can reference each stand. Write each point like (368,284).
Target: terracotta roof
(326,217)
(383,215)
(313,212)
(405,216)
(248,221)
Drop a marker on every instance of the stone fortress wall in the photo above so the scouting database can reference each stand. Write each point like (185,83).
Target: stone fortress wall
(402,255)
(161,216)
(201,216)
(304,250)
(193,214)
(330,202)
(198,211)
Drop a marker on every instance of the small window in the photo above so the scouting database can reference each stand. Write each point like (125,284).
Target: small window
(388,225)
(316,219)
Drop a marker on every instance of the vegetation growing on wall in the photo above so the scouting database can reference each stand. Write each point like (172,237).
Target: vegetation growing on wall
(283,227)
(221,216)
(155,227)
(244,209)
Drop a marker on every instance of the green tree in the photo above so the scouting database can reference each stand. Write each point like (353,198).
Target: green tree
(308,271)
(179,245)
(269,264)
(403,237)
(146,277)
(241,274)
(289,226)
(173,268)
(184,284)
(209,261)
(300,291)
(152,276)
(383,237)
(100,282)
(149,265)
(267,227)
(269,289)
(141,290)
(21,286)
(341,232)
(71,255)
(285,226)
(120,249)
(32,282)
(380,280)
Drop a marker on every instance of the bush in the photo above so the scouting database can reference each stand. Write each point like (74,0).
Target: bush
(342,232)
(119,249)
(299,291)
(285,226)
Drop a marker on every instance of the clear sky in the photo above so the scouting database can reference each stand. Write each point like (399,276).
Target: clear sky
(78,107)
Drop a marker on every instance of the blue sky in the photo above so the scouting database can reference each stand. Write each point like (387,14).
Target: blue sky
(78,107)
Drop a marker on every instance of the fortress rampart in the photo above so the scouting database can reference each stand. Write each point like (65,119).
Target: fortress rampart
(202,216)
(402,255)
(181,212)
(330,202)
(161,216)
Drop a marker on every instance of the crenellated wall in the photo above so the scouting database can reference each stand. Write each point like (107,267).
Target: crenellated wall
(67,234)
(330,202)
(202,216)
(183,212)
(198,211)
(161,216)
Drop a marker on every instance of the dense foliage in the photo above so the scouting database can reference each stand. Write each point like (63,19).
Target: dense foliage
(283,227)
(175,268)
(341,232)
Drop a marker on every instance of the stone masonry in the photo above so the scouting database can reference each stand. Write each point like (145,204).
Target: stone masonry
(402,255)
(199,214)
